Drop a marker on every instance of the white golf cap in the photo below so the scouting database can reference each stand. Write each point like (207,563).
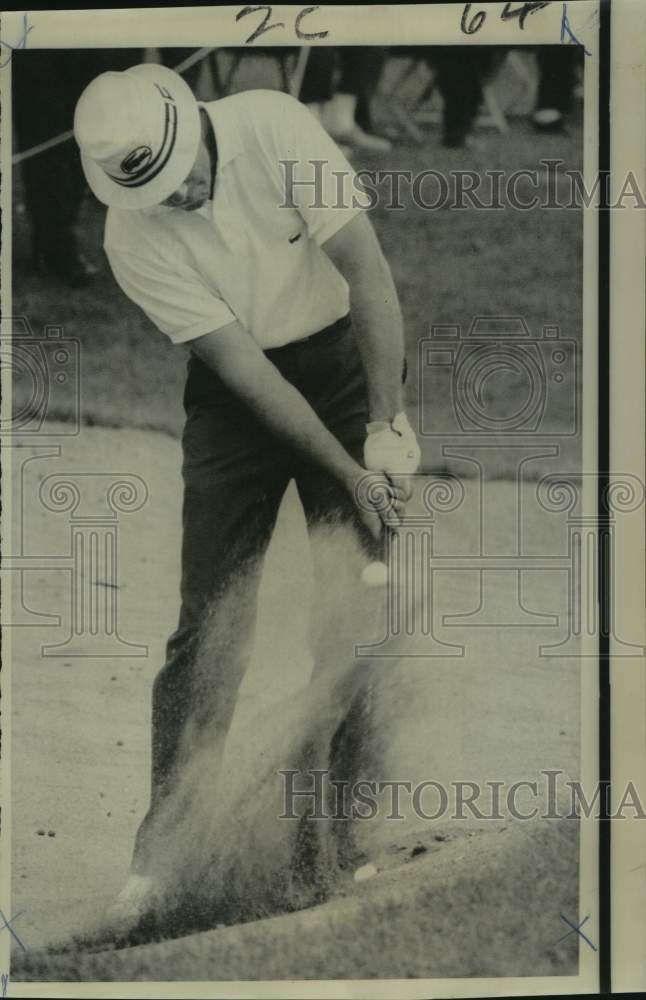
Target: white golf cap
(138,132)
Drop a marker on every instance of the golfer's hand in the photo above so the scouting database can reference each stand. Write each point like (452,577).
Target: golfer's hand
(379,501)
(391,447)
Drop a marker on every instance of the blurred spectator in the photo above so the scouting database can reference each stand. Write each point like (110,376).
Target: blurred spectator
(219,83)
(46,86)
(557,66)
(338,85)
(460,73)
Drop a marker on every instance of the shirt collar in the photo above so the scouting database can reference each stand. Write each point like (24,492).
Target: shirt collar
(227,134)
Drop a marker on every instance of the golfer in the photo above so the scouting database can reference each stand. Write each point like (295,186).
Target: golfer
(228,227)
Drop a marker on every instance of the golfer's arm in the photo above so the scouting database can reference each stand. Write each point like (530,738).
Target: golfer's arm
(376,316)
(243,367)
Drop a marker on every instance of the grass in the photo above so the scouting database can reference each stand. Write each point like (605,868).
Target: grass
(449,266)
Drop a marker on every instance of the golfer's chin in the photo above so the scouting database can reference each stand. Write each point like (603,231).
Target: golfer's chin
(192,206)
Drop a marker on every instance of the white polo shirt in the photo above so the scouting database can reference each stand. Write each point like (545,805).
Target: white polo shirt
(242,256)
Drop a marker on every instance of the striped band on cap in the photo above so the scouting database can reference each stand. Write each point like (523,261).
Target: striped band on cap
(150,166)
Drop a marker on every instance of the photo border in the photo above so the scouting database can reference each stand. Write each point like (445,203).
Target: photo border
(615,22)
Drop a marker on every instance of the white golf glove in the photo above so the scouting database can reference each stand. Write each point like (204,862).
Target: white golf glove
(391,447)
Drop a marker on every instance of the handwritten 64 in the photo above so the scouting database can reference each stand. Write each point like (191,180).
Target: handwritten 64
(470,23)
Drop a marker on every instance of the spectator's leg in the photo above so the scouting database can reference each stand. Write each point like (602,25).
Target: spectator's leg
(362,67)
(53,180)
(318,82)
(459,74)
(46,86)
(557,73)
(347,116)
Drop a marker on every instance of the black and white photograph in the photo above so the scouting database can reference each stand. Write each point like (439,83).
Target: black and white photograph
(309,547)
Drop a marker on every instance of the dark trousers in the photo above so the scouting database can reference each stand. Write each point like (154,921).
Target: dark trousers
(460,72)
(235,474)
(47,83)
(557,66)
(359,67)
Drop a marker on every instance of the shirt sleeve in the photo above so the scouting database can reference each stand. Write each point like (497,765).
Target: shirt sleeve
(174,298)
(316,177)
